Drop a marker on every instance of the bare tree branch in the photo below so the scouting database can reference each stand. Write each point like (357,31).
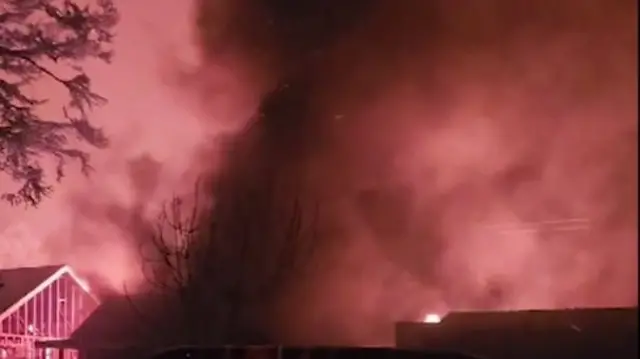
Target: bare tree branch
(220,267)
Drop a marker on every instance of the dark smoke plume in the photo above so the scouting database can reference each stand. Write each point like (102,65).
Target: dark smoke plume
(466,154)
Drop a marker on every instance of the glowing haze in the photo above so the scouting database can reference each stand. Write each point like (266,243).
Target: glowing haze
(466,154)
(154,137)
(476,156)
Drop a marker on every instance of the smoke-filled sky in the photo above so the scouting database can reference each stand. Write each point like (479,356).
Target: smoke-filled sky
(152,127)
(464,154)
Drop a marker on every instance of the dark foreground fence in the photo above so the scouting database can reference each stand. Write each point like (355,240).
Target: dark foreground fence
(276,352)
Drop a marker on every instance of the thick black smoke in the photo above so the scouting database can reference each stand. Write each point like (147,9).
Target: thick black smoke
(422,126)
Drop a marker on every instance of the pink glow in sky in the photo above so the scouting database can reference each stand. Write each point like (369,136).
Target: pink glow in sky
(145,116)
(442,140)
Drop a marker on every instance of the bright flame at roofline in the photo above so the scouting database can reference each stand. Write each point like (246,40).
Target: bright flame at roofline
(432,318)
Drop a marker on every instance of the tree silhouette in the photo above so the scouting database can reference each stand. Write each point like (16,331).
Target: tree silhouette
(40,41)
(214,267)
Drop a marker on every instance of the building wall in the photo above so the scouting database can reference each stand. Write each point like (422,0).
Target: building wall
(51,314)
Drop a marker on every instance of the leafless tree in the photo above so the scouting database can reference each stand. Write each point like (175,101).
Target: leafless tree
(48,40)
(217,266)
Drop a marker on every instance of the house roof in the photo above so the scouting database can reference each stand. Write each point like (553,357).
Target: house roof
(122,320)
(569,333)
(18,285)
(574,316)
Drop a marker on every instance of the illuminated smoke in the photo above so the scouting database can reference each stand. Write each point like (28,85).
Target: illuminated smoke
(477,155)
(441,137)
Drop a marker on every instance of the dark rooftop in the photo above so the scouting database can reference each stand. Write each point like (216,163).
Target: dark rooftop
(583,317)
(571,333)
(16,283)
(122,321)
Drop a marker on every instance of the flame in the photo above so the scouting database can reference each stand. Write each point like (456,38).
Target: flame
(432,318)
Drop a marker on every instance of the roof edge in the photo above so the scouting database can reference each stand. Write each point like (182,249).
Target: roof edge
(64,269)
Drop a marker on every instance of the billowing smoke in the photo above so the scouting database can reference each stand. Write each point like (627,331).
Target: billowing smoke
(463,154)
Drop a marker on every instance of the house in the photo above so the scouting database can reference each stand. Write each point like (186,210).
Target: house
(40,304)
(123,327)
(570,333)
